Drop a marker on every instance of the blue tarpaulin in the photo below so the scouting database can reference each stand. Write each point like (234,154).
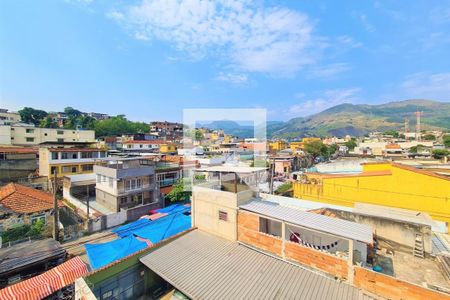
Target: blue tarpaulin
(154,231)
(102,254)
(127,229)
(172,209)
(164,227)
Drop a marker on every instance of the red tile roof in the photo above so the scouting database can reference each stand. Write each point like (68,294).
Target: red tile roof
(22,199)
(20,150)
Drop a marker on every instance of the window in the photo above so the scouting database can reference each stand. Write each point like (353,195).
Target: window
(140,146)
(102,154)
(129,146)
(86,168)
(29,139)
(60,132)
(60,140)
(53,170)
(74,155)
(133,184)
(110,182)
(29,130)
(270,226)
(74,169)
(86,154)
(123,200)
(54,155)
(223,215)
(64,155)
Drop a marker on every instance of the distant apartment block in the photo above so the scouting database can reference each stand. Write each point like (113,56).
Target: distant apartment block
(68,161)
(149,146)
(124,183)
(30,135)
(167,129)
(8,117)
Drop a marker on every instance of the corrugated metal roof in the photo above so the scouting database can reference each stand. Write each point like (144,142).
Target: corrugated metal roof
(203,266)
(343,228)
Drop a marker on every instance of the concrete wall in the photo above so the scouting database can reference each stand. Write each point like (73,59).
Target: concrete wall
(138,211)
(396,231)
(5,135)
(206,204)
(392,288)
(14,169)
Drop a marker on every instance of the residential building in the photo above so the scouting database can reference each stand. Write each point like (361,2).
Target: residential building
(98,116)
(279,145)
(17,163)
(167,174)
(152,146)
(20,205)
(25,260)
(8,117)
(170,130)
(125,183)
(279,250)
(28,135)
(381,183)
(168,148)
(68,161)
(285,164)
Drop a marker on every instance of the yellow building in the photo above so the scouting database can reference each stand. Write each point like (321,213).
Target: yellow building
(67,161)
(167,148)
(277,145)
(298,146)
(388,184)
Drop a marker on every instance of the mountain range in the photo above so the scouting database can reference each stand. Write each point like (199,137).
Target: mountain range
(351,119)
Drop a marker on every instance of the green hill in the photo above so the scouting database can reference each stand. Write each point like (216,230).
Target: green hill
(360,119)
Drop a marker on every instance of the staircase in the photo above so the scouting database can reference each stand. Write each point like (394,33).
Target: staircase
(418,246)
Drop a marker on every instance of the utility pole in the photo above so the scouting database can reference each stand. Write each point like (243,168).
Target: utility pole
(272,171)
(55,207)
(87,201)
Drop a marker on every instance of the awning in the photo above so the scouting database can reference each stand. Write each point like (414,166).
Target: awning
(46,283)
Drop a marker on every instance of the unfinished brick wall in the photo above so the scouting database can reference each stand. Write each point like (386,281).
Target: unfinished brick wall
(392,288)
(248,232)
(327,263)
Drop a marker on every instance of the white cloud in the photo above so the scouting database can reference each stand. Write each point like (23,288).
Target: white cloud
(348,42)
(238,79)
(427,86)
(328,71)
(328,99)
(248,36)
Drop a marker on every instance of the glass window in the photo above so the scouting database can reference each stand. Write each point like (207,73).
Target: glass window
(28,139)
(54,155)
(64,155)
(74,155)
(87,168)
(138,183)
(60,132)
(29,130)
(60,140)
(86,154)
(102,154)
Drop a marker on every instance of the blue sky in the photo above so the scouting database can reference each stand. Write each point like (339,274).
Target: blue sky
(150,59)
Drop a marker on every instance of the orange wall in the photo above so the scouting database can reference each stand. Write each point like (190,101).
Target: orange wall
(315,259)
(392,288)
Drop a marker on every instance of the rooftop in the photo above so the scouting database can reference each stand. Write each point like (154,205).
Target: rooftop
(23,199)
(203,266)
(318,222)
(233,169)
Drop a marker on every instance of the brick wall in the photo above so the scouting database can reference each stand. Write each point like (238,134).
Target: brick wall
(248,232)
(392,288)
(327,263)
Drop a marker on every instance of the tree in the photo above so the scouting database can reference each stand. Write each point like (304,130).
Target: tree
(429,137)
(446,140)
(48,122)
(179,192)
(316,149)
(32,116)
(23,231)
(72,112)
(332,149)
(198,135)
(351,144)
(284,188)
(117,126)
(440,153)
(416,149)
(392,133)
